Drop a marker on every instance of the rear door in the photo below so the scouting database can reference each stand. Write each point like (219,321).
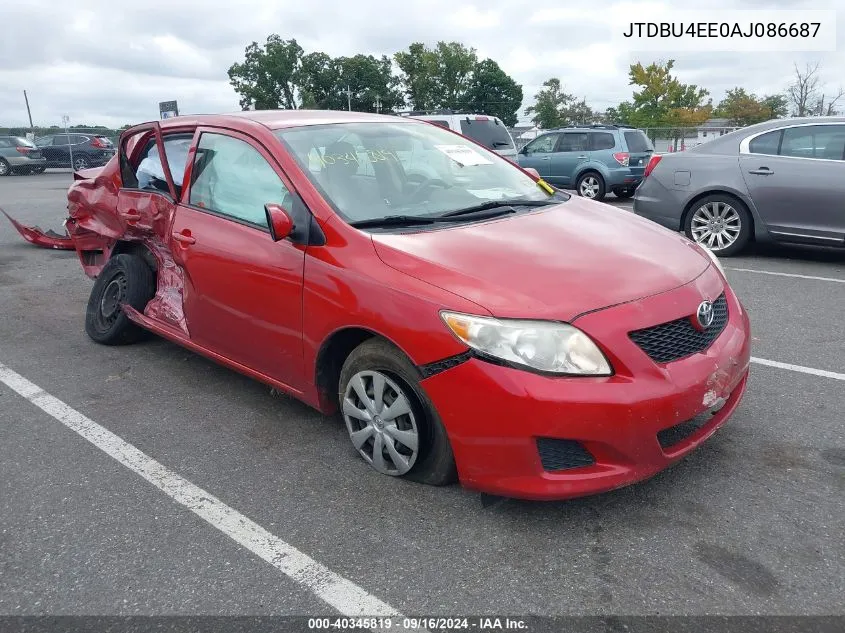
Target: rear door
(57,152)
(573,149)
(538,154)
(796,179)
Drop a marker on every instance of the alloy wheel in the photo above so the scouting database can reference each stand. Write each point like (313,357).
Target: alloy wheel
(716,225)
(381,422)
(4,168)
(80,163)
(589,187)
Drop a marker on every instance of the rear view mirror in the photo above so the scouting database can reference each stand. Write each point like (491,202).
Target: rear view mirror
(279,221)
(532,171)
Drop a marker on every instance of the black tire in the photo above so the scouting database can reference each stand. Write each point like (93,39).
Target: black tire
(80,162)
(37,170)
(5,168)
(124,279)
(745,226)
(623,193)
(435,462)
(599,181)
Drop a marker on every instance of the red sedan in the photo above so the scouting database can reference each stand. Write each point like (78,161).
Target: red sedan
(466,320)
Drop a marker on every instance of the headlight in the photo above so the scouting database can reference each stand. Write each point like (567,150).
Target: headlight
(715,259)
(540,345)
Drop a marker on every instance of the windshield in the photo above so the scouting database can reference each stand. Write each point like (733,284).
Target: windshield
(375,170)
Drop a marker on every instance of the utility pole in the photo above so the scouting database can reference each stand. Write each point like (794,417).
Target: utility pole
(28,113)
(378,104)
(349,97)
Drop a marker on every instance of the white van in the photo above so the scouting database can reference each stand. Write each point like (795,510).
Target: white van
(489,131)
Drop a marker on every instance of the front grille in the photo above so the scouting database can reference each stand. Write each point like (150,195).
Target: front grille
(563,454)
(678,433)
(678,339)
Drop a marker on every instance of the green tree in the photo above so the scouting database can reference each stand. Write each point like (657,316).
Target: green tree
(266,78)
(663,101)
(550,104)
(419,67)
(318,82)
(777,105)
(492,91)
(371,83)
(742,109)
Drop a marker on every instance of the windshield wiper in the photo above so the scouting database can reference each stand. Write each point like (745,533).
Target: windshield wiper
(393,220)
(497,204)
(501,144)
(417,220)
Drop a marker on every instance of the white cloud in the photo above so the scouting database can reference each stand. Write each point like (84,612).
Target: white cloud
(100,63)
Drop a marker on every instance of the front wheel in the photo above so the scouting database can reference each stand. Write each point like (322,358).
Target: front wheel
(591,186)
(391,422)
(719,222)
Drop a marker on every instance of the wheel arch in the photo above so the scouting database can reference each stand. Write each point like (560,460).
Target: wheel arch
(140,249)
(333,352)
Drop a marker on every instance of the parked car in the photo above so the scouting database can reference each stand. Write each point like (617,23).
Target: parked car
(489,131)
(463,317)
(19,155)
(88,150)
(780,181)
(593,160)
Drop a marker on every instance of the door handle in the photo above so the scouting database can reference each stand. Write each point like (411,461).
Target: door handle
(762,171)
(546,158)
(184,237)
(583,156)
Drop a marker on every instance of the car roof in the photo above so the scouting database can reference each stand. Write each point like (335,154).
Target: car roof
(729,143)
(278,119)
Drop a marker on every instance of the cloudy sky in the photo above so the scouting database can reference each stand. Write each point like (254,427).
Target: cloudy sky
(100,64)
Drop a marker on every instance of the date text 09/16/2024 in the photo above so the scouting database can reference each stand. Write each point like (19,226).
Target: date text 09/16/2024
(418,623)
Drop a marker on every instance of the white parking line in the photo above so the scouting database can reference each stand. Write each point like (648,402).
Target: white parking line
(769,272)
(342,594)
(799,368)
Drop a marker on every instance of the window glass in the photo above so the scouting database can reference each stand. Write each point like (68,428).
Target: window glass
(765,143)
(603,140)
(542,144)
(574,142)
(4,142)
(60,139)
(638,142)
(814,141)
(489,132)
(150,171)
(374,170)
(232,178)
(440,122)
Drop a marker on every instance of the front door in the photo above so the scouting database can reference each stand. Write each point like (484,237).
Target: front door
(798,186)
(243,291)
(538,153)
(572,150)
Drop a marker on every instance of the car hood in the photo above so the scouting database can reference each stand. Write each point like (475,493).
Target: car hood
(555,263)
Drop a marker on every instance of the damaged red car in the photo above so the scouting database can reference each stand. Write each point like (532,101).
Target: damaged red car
(465,319)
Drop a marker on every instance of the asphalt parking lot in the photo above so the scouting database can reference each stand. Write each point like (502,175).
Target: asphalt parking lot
(751,523)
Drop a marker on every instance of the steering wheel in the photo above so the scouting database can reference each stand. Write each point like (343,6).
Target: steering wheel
(424,185)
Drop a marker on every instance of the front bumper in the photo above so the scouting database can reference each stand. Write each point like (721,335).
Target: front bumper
(494,415)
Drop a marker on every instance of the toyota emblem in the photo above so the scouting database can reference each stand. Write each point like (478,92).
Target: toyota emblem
(704,315)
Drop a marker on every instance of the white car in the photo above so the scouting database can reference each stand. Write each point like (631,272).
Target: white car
(487,130)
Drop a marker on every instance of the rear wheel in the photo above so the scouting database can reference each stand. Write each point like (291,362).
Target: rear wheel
(719,222)
(5,170)
(390,420)
(125,279)
(591,185)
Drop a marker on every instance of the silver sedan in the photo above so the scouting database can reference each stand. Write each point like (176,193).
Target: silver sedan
(779,181)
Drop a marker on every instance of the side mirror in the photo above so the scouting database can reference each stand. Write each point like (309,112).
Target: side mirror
(278,220)
(532,171)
